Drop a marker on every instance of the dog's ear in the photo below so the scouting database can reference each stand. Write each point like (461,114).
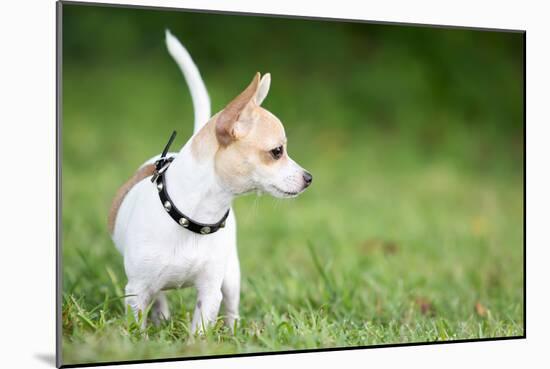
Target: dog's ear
(263,89)
(228,126)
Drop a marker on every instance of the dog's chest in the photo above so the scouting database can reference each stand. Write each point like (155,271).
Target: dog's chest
(183,262)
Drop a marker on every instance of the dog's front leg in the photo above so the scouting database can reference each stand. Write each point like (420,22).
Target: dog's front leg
(138,297)
(231,290)
(209,298)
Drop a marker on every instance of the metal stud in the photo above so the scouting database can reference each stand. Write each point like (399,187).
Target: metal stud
(222,225)
(167,206)
(205,230)
(184,222)
(159,186)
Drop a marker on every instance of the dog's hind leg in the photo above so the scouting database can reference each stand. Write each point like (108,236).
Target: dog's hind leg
(160,310)
(231,288)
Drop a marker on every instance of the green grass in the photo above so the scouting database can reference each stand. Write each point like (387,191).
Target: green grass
(414,217)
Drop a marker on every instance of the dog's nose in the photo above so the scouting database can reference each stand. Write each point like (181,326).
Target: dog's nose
(308,178)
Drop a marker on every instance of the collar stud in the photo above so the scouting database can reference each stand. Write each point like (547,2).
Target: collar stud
(184,222)
(205,230)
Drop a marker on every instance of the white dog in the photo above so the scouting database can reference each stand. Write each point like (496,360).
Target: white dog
(179,230)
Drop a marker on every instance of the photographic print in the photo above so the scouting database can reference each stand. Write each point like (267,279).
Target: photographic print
(238,184)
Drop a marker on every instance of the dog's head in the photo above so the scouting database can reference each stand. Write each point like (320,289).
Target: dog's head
(252,147)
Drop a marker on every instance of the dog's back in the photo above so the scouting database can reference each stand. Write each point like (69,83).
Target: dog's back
(142,173)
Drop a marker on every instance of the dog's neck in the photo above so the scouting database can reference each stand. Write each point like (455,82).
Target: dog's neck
(192,182)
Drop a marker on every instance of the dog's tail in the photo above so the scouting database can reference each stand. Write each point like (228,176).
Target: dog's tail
(199,94)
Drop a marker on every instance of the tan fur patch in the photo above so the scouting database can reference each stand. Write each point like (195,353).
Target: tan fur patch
(205,141)
(236,162)
(140,174)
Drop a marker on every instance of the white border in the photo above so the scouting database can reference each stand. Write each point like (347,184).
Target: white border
(27,240)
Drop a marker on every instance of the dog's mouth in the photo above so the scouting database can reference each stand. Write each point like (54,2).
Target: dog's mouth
(285,193)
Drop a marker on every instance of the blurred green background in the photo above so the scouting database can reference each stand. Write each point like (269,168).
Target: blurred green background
(412,230)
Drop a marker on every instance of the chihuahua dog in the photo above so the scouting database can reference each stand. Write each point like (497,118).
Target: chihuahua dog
(188,238)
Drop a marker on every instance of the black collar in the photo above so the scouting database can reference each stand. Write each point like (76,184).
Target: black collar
(183,220)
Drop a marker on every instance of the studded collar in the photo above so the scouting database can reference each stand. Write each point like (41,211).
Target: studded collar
(162,165)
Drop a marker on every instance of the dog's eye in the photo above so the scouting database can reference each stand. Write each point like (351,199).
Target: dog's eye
(277,152)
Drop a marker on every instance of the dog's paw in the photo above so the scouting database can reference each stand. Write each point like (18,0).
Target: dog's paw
(232,323)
